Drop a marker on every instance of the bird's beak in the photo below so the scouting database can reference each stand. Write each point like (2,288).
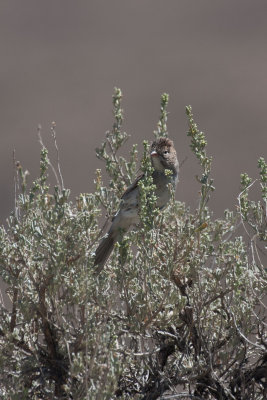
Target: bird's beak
(154,153)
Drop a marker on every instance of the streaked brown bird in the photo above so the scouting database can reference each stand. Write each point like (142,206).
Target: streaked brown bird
(163,157)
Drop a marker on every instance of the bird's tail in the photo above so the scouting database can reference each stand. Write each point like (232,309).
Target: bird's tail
(104,250)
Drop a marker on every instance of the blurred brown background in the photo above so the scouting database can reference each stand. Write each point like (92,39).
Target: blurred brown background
(60,60)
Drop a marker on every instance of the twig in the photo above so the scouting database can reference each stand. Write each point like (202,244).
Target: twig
(239,202)
(14,310)
(181,396)
(182,162)
(49,162)
(56,147)
(116,160)
(243,336)
(15,177)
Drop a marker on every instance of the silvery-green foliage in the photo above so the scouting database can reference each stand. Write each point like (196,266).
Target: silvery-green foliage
(177,310)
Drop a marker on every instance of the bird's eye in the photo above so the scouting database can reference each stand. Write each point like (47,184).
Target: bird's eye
(166,152)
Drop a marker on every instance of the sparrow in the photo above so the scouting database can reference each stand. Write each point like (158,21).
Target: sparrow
(163,157)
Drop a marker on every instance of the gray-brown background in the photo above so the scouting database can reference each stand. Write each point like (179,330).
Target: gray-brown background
(60,60)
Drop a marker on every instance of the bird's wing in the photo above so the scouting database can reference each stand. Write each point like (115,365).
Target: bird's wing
(132,186)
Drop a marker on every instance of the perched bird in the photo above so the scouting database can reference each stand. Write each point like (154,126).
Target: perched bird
(163,157)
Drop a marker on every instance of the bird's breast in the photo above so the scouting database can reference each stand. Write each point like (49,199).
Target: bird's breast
(162,191)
